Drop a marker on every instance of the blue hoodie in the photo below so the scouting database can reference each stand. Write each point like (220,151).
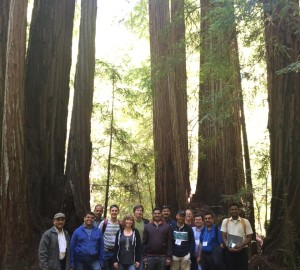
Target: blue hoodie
(86,248)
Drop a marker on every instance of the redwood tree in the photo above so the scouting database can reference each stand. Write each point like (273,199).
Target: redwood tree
(220,165)
(4,11)
(282,47)
(14,235)
(80,146)
(168,77)
(46,104)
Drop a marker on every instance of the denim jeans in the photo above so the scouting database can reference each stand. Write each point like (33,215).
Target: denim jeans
(156,262)
(126,267)
(92,265)
(108,263)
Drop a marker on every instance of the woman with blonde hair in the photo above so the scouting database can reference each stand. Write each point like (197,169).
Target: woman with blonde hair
(127,251)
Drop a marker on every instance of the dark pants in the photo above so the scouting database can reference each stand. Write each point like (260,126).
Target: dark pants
(207,262)
(194,264)
(156,262)
(63,264)
(237,260)
(108,263)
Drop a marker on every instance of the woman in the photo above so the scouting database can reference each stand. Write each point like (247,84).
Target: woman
(127,251)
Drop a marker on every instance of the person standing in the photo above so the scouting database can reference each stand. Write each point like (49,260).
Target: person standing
(87,248)
(166,214)
(198,220)
(127,252)
(157,243)
(211,245)
(183,244)
(237,234)
(98,210)
(139,221)
(54,248)
(109,228)
(189,217)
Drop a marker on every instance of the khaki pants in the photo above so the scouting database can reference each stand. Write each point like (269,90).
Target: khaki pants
(181,263)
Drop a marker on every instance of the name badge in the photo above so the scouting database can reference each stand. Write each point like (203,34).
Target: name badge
(178,242)
(204,244)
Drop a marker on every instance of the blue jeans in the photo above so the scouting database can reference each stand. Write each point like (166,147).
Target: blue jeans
(92,265)
(126,266)
(108,263)
(156,262)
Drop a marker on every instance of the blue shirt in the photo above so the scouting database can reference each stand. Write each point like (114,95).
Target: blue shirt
(209,239)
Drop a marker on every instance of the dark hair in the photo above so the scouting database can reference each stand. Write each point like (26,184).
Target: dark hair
(89,213)
(198,215)
(155,209)
(234,204)
(209,213)
(114,206)
(128,216)
(137,207)
(165,206)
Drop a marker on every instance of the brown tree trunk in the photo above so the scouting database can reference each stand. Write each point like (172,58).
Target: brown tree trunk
(80,146)
(220,169)
(14,235)
(4,12)
(283,46)
(46,104)
(171,173)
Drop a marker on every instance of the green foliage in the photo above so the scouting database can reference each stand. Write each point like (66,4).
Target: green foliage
(132,161)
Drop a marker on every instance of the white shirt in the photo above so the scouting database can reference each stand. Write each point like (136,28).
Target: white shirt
(62,243)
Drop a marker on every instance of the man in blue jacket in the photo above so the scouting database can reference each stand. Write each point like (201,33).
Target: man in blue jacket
(87,248)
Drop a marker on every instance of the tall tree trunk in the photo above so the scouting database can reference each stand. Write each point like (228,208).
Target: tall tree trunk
(14,235)
(46,104)
(167,87)
(220,169)
(4,12)
(283,46)
(80,146)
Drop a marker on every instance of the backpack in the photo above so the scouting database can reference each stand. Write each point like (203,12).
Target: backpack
(242,222)
(105,222)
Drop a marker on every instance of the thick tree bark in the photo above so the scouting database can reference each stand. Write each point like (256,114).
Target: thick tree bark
(14,235)
(80,146)
(4,12)
(283,46)
(171,175)
(220,169)
(46,104)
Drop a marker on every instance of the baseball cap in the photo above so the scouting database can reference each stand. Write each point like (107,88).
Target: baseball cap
(181,212)
(59,215)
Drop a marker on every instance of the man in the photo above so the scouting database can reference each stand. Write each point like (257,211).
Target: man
(211,247)
(139,221)
(87,248)
(109,228)
(237,234)
(166,213)
(183,243)
(198,220)
(98,210)
(54,249)
(157,242)
(189,217)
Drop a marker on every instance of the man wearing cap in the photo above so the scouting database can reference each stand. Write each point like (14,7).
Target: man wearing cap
(183,243)
(54,248)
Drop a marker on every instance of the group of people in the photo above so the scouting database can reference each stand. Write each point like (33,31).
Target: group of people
(191,242)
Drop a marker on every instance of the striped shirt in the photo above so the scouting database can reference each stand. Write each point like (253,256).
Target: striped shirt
(110,232)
